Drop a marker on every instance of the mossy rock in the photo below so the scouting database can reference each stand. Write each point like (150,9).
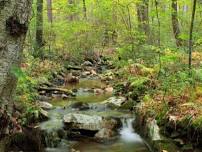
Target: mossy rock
(111,106)
(166,145)
(28,140)
(128,105)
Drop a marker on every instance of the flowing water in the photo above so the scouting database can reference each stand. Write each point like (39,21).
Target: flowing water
(128,140)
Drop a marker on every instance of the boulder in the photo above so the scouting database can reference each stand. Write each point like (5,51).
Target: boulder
(98,91)
(80,106)
(93,72)
(43,114)
(105,133)
(43,98)
(128,105)
(153,130)
(45,105)
(64,96)
(117,101)
(95,123)
(76,73)
(73,79)
(81,121)
(109,90)
(85,73)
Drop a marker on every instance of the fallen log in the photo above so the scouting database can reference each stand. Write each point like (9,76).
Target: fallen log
(60,90)
(70,67)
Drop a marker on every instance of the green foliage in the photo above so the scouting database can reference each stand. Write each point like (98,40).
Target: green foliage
(198,122)
(26,84)
(197,74)
(31,115)
(138,87)
(138,82)
(175,83)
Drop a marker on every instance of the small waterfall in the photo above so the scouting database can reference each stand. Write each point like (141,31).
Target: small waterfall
(51,139)
(127,132)
(52,130)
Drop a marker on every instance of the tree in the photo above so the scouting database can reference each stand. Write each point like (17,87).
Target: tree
(49,11)
(175,23)
(39,28)
(191,34)
(71,5)
(143,17)
(14,17)
(84,10)
(159,23)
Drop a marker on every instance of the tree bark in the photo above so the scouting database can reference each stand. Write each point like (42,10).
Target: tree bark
(39,28)
(159,23)
(84,10)
(71,16)
(191,34)
(175,23)
(14,17)
(49,11)
(143,17)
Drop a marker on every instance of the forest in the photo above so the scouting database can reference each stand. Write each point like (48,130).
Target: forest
(100,75)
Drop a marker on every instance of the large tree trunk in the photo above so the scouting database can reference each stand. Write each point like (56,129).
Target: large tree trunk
(49,11)
(14,17)
(39,29)
(143,17)
(175,23)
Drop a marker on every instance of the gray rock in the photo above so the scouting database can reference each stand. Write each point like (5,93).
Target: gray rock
(43,98)
(85,73)
(45,105)
(109,90)
(98,91)
(154,130)
(188,148)
(44,114)
(87,122)
(64,96)
(105,133)
(117,101)
(87,63)
(81,121)
(80,106)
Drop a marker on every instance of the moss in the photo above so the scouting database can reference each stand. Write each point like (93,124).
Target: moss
(198,122)
(3,3)
(166,145)
(128,105)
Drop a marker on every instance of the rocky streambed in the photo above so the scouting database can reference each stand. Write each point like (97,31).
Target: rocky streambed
(90,122)
(82,112)
(84,115)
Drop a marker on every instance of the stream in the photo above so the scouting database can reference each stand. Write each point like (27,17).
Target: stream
(127,140)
